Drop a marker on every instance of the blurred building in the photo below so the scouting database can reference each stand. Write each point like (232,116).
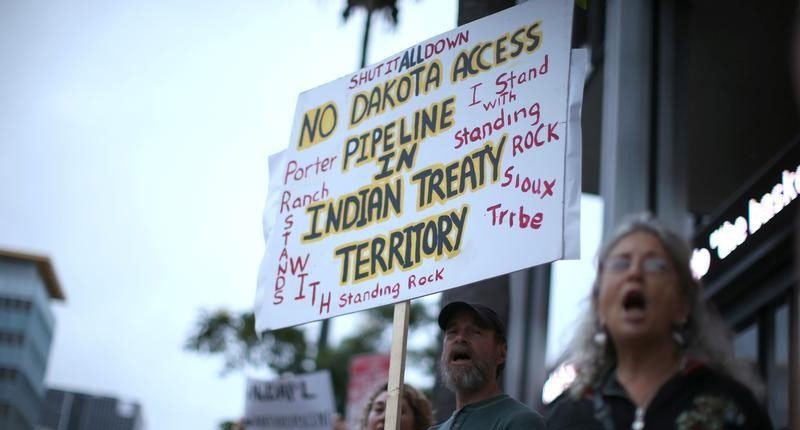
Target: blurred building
(68,410)
(688,113)
(27,285)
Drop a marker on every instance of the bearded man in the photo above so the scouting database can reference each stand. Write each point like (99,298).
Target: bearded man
(473,357)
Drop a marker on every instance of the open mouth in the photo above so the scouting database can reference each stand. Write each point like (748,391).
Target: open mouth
(634,300)
(460,356)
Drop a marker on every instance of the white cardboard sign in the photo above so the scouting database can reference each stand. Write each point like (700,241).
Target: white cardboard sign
(443,165)
(301,402)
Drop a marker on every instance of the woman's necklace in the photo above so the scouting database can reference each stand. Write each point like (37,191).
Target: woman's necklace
(638,421)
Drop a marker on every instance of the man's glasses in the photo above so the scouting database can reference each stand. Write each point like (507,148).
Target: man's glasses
(650,265)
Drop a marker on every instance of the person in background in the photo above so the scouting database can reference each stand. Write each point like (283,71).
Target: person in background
(473,356)
(650,354)
(416,413)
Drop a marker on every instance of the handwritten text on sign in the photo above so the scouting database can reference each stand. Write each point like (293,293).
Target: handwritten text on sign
(437,167)
(295,402)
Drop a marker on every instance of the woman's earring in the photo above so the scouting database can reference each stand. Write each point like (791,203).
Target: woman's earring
(600,336)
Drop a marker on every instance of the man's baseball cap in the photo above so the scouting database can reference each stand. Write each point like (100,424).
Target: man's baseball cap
(484,315)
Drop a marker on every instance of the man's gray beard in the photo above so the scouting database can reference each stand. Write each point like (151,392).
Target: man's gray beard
(469,379)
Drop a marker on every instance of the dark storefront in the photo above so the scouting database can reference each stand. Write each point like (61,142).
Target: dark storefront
(747,256)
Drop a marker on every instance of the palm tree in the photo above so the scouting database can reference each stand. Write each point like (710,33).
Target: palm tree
(388,7)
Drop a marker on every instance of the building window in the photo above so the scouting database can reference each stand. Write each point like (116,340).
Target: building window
(8,375)
(11,338)
(778,370)
(745,344)
(766,343)
(12,304)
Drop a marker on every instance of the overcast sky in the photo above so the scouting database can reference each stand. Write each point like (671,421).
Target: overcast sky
(134,138)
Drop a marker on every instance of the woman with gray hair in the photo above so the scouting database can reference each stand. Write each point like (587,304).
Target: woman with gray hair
(650,354)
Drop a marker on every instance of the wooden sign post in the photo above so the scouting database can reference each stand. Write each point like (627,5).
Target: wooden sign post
(397,365)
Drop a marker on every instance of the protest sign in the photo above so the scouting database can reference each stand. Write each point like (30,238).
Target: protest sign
(434,168)
(301,402)
(367,373)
